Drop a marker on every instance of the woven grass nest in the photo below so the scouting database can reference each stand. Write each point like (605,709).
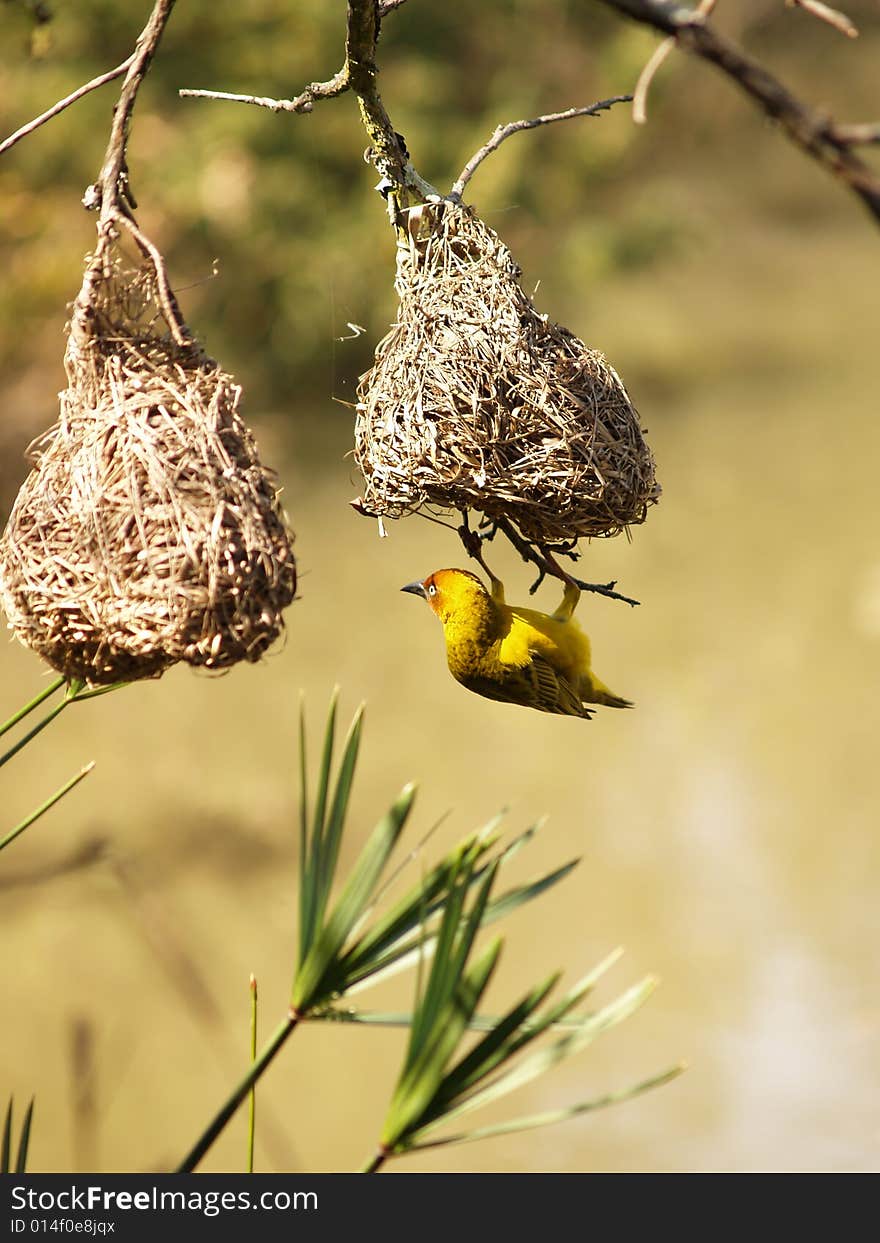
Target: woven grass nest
(478,402)
(148,531)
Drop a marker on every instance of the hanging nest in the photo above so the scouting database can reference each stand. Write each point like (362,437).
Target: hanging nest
(148,531)
(477,402)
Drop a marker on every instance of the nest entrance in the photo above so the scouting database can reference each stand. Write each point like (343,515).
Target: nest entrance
(148,531)
(478,402)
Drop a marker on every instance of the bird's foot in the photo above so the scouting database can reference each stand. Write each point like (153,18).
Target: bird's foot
(473,542)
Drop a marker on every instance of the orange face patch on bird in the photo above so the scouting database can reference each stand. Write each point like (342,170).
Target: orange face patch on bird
(447,590)
(512,654)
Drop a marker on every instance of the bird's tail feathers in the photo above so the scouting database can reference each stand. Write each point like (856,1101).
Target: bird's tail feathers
(596,692)
(612,701)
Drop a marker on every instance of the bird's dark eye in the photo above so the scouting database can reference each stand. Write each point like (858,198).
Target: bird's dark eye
(432,590)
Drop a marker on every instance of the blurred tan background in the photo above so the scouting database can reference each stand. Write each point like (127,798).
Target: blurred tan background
(728,827)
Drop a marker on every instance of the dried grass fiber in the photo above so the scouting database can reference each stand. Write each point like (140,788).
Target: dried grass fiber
(148,531)
(478,402)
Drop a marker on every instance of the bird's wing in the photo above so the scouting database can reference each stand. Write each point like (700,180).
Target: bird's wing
(553,691)
(535,685)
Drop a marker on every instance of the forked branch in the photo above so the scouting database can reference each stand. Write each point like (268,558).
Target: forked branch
(657,60)
(516,127)
(387,150)
(304,102)
(543,559)
(809,129)
(64,103)
(111,193)
(832,17)
(111,190)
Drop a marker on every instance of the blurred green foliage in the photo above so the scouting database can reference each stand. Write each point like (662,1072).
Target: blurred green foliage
(281,206)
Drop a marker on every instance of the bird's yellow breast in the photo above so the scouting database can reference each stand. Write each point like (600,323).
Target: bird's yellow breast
(487,638)
(473,637)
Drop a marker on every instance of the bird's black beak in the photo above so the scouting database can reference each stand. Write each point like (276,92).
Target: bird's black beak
(415,589)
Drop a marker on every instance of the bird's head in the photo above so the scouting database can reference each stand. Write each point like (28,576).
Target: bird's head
(451,593)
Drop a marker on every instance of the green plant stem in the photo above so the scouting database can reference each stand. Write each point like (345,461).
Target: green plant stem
(29,707)
(217,1126)
(25,1139)
(252,1104)
(75,693)
(47,720)
(375,1163)
(44,807)
(79,696)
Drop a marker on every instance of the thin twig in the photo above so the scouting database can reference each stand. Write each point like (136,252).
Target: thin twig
(813,131)
(337,85)
(640,95)
(833,17)
(531,554)
(858,135)
(387,151)
(515,127)
(112,193)
(110,76)
(167,300)
(646,77)
(112,185)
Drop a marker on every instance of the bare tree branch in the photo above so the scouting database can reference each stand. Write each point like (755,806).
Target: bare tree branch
(112,193)
(516,127)
(546,566)
(387,150)
(858,135)
(811,130)
(833,17)
(111,189)
(657,58)
(646,77)
(305,102)
(540,556)
(109,76)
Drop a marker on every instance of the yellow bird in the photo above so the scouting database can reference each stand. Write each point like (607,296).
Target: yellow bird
(514,654)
